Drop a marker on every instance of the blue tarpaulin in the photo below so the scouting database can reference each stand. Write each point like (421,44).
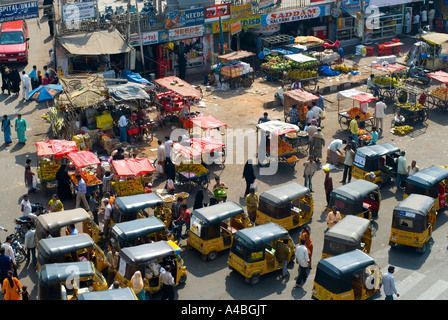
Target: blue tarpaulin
(134,77)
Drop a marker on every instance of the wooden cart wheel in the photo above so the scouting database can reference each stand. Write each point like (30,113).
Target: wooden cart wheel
(389,95)
(344,123)
(431,102)
(368,127)
(287,118)
(311,85)
(223,156)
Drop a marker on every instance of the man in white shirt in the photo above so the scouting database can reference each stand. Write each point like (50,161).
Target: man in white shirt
(26,85)
(107,214)
(388,283)
(380,108)
(310,116)
(25,206)
(122,123)
(9,251)
(303,259)
(424,17)
(431,16)
(335,148)
(168,147)
(408,22)
(318,112)
(416,23)
(168,283)
(30,245)
(402,170)
(161,157)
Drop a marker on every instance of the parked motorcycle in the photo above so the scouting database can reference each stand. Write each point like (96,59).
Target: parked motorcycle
(419,74)
(24,223)
(19,250)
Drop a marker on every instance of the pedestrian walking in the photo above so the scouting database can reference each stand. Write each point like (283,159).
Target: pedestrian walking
(81,189)
(63,179)
(6,84)
(251,202)
(161,158)
(10,252)
(93,204)
(402,170)
(308,173)
(26,85)
(5,264)
(6,128)
(302,258)
(248,175)
(318,142)
(14,77)
(112,264)
(333,217)
(11,287)
(107,212)
(20,126)
(30,245)
(33,78)
(282,254)
(388,284)
(138,286)
(328,185)
(306,234)
(348,162)
(122,123)
(311,129)
(168,144)
(198,199)
(29,177)
(168,283)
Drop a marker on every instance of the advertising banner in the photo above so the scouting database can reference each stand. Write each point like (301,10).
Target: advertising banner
(294,15)
(78,11)
(235,27)
(246,24)
(186,33)
(148,38)
(242,11)
(19,11)
(212,13)
(184,18)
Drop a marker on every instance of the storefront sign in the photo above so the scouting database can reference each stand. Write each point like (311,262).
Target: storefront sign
(19,11)
(246,24)
(148,38)
(294,15)
(186,33)
(354,3)
(264,4)
(164,36)
(78,11)
(266,30)
(235,27)
(242,11)
(212,13)
(184,18)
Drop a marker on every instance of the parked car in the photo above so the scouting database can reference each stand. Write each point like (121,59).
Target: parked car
(14,42)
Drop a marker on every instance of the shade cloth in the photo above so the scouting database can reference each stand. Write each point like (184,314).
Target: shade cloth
(391,68)
(83,158)
(56,148)
(435,37)
(181,87)
(439,76)
(128,91)
(236,55)
(357,95)
(298,57)
(301,95)
(278,127)
(207,122)
(132,167)
(197,147)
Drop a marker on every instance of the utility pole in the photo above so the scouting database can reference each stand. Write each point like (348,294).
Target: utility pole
(141,39)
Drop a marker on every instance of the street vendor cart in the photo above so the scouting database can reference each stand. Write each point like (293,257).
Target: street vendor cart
(388,84)
(83,161)
(205,150)
(275,63)
(304,69)
(435,59)
(128,175)
(49,154)
(366,121)
(236,72)
(272,144)
(438,97)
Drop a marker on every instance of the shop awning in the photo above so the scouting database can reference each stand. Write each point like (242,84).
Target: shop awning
(197,147)
(95,43)
(278,127)
(236,55)
(207,122)
(179,86)
(83,158)
(56,148)
(440,76)
(128,91)
(391,68)
(301,96)
(132,167)
(435,38)
(357,95)
(307,39)
(300,58)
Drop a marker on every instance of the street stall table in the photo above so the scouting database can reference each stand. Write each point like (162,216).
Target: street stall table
(275,63)
(438,98)
(236,72)
(303,68)
(81,160)
(366,121)
(435,59)
(128,173)
(388,84)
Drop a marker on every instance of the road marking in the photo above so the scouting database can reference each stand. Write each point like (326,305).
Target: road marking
(406,284)
(434,291)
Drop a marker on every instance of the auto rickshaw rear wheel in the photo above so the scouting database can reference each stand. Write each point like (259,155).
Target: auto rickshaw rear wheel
(182,279)
(423,248)
(254,279)
(212,255)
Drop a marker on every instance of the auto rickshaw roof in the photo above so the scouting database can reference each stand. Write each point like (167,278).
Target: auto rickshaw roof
(349,230)
(283,195)
(428,177)
(116,294)
(261,235)
(58,246)
(53,273)
(138,202)
(57,220)
(415,203)
(345,263)
(137,228)
(218,212)
(354,191)
(149,251)
(378,150)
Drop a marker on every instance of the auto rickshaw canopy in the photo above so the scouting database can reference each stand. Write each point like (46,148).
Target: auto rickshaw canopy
(149,251)
(117,294)
(137,228)
(56,220)
(137,202)
(428,177)
(416,204)
(59,246)
(378,150)
(218,212)
(54,273)
(281,196)
(353,193)
(262,235)
(348,231)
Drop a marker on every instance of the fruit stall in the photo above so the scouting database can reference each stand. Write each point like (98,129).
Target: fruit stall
(389,83)
(85,163)
(205,150)
(303,68)
(276,64)
(366,120)
(412,111)
(190,173)
(49,154)
(282,151)
(128,175)
(302,99)
(364,137)
(437,98)
(236,72)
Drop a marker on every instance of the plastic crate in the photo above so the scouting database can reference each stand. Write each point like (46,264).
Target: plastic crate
(104,121)
(370,51)
(395,40)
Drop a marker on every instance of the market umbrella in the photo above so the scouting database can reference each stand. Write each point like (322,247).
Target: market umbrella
(45,92)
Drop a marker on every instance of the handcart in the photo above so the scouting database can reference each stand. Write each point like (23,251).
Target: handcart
(438,98)
(84,159)
(128,175)
(367,121)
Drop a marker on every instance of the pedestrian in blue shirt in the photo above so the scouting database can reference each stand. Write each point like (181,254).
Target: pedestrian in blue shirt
(294,115)
(81,193)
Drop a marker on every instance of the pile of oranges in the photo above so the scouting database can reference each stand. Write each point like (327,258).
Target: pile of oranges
(356,111)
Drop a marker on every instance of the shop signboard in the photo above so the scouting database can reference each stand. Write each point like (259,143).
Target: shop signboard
(295,15)
(148,38)
(246,24)
(212,13)
(235,27)
(354,3)
(164,36)
(78,11)
(264,4)
(186,33)
(241,11)
(19,11)
(184,18)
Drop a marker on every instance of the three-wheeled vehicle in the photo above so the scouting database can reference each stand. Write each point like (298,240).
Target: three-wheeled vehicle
(70,249)
(55,223)
(358,198)
(65,281)
(289,206)
(351,275)
(116,294)
(349,234)
(431,182)
(212,228)
(149,258)
(379,159)
(253,251)
(413,221)
(133,207)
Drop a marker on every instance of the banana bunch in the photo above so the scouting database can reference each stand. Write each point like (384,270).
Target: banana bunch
(342,68)
(302,74)
(47,170)
(403,130)
(387,81)
(411,106)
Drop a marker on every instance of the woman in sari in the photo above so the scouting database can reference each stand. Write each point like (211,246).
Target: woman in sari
(306,233)
(11,287)
(6,128)
(138,286)
(21,125)
(55,204)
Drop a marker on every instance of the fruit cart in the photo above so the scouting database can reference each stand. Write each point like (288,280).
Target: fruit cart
(302,99)
(275,63)
(236,72)
(281,150)
(437,98)
(303,68)
(206,151)
(128,175)
(388,84)
(192,173)
(49,154)
(366,121)
(412,111)
(83,161)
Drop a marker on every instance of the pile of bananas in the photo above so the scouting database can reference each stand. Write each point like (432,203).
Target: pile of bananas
(403,130)
(47,170)
(197,169)
(342,68)
(387,81)
(411,106)
(302,74)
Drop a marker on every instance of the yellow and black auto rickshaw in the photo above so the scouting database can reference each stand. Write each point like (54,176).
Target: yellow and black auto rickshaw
(139,231)
(431,182)
(253,251)
(413,221)
(148,259)
(358,198)
(116,294)
(212,228)
(379,159)
(67,280)
(289,206)
(350,233)
(351,275)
